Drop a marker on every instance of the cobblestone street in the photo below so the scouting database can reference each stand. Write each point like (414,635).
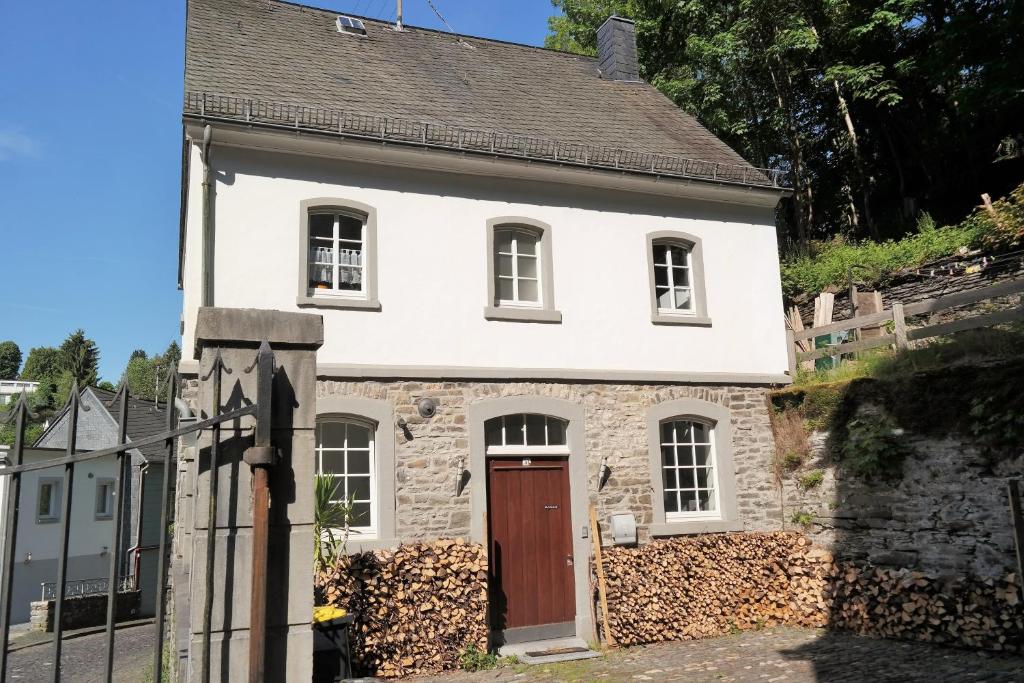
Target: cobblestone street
(83,658)
(780,654)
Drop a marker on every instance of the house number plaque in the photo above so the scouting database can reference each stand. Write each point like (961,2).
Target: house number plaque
(526,462)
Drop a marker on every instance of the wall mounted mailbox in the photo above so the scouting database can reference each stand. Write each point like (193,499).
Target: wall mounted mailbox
(623,529)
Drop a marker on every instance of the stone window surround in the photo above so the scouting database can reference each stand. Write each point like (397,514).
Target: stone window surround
(699,317)
(546,312)
(380,415)
(55,499)
(700,411)
(100,483)
(368,301)
(477,414)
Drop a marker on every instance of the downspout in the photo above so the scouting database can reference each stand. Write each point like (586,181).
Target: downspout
(208,249)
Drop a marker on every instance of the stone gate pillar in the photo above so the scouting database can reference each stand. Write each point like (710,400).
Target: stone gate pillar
(235,334)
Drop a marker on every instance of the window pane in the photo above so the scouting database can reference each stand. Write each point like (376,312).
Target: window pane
(514,430)
(701,433)
(686,478)
(361,515)
(350,228)
(664,297)
(359,488)
(321,254)
(45,498)
(321,225)
(685,455)
(683,299)
(526,243)
(703,454)
(684,432)
(332,434)
(666,432)
(321,276)
(503,241)
(504,289)
(707,500)
(333,462)
(688,501)
(505,265)
(358,436)
(527,266)
(668,455)
(659,253)
(535,430)
(671,501)
(492,432)
(359,462)
(661,276)
(669,478)
(528,290)
(681,277)
(705,478)
(556,432)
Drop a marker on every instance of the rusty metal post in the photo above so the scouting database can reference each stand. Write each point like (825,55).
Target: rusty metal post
(21,414)
(260,457)
(211,536)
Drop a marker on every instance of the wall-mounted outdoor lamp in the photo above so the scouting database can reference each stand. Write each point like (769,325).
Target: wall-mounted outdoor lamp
(404,426)
(604,473)
(189,439)
(461,476)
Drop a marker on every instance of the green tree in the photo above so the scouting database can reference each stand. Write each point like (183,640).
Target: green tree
(42,364)
(81,358)
(10,360)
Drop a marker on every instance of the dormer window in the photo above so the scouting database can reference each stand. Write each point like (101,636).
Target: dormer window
(351,26)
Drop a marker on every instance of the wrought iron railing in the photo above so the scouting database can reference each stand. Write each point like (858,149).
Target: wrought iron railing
(84,587)
(393,130)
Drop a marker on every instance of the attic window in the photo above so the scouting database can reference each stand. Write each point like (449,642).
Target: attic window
(350,25)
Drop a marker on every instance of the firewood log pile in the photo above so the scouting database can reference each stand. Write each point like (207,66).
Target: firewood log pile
(417,608)
(704,586)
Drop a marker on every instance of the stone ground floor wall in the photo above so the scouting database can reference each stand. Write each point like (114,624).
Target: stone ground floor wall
(615,432)
(85,611)
(947,513)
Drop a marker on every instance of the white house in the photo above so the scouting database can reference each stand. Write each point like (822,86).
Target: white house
(531,267)
(11,388)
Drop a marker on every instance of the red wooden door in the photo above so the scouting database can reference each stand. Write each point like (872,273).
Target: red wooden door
(532,585)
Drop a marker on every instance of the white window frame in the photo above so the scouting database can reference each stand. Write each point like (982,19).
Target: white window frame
(108,501)
(697,312)
(683,515)
(541,311)
(365,298)
(515,233)
(56,496)
(672,287)
(526,449)
(336,245)
(362,532)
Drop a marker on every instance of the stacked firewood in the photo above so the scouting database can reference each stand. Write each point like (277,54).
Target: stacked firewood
(711,585)
(417,608)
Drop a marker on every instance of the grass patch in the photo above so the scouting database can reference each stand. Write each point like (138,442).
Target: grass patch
(811,480)
(803,518)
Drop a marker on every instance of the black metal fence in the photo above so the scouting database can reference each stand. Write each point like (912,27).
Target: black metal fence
(174,429)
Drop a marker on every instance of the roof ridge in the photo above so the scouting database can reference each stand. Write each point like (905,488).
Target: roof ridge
(426,29)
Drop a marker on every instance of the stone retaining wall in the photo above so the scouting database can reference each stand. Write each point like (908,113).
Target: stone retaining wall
(84,611)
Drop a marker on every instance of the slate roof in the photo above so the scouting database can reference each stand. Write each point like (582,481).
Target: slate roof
(268,61)
(144,419)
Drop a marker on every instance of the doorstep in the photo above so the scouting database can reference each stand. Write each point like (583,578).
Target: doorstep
(548,651)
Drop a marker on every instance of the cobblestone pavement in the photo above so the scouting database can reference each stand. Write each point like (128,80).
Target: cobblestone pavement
(780,654)
(83,657)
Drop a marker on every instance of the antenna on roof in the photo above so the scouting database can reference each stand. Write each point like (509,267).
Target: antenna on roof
(398,17)
(458,38)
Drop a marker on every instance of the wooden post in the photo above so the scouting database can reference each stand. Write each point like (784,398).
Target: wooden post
(602,589)
(899,326)
(791,352)
(1017,518)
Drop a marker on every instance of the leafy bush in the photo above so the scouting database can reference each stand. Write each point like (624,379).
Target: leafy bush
(873,446)
(811,479)
(477,660)
(828,264)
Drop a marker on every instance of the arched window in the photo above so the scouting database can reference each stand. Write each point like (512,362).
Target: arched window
(688,472)
(337,254)
(519,271)
(345,452)
(676,264)
(525,433)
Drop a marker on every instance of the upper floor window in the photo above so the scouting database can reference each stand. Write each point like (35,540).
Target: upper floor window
(345,452)
(675,261)
(688,469)
(519,271)
(336,247)
(338,259)
(48,500)
(104,498)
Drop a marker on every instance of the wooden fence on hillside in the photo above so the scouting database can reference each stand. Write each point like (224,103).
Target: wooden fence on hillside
(800,341)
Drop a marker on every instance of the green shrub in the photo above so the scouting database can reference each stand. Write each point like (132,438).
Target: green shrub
(873,446)
(477,660)
(811,479)
(803,518)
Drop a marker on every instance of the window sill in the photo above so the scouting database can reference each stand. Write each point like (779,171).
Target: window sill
(670,319)
(338,302)
(531,315)
(47,520)
(695,526)
(101,518)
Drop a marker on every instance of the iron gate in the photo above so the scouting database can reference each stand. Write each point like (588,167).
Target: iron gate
(264,365)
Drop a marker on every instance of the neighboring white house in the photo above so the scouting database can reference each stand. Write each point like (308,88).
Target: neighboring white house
(10,388)
(93,504)
(546,272)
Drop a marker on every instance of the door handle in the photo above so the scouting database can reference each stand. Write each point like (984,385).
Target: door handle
(568,561)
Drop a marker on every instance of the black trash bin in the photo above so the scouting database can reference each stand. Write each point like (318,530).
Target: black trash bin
(332,658)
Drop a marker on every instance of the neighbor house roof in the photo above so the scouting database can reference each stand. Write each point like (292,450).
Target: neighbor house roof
(275,63)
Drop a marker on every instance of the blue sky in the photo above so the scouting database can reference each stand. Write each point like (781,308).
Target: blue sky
(90,146)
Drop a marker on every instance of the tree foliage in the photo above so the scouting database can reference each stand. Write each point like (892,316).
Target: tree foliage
(80,358)
(10,360)
(875,109)
(147,376)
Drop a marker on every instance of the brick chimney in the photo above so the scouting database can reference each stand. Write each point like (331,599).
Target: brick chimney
(616,49)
